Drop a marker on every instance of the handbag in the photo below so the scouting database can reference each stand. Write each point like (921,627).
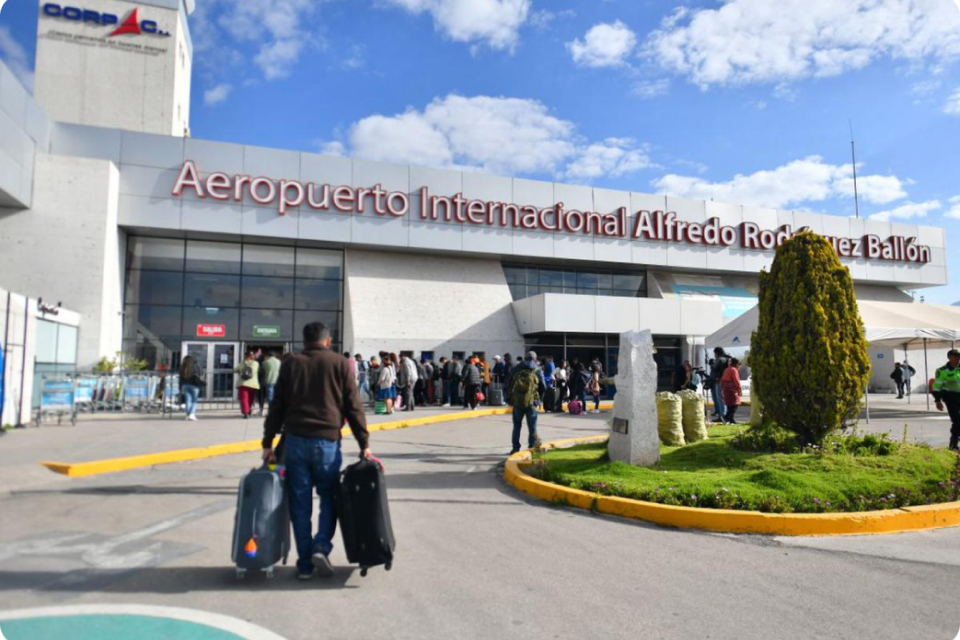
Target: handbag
(480,396)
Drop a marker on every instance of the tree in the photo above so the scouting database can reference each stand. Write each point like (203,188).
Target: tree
(809,355)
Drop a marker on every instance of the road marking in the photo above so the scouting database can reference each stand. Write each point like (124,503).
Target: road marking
(241,628)
(102,554)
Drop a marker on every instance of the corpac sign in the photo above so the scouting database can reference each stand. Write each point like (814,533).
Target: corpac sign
(131,24)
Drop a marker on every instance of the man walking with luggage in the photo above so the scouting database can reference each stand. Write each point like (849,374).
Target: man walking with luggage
(315,393)
(526,389)
(946,391)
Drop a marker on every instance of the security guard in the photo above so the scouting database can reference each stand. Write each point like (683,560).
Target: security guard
(946,391)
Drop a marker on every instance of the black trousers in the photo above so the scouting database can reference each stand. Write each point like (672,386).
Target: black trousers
(731,412)
(900,387)
(470,395)
(952,400)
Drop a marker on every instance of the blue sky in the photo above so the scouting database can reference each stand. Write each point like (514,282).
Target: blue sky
(744,101)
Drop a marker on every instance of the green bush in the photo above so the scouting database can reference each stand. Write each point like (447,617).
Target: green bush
(808,355)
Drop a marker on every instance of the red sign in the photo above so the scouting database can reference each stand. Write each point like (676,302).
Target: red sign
(211,330)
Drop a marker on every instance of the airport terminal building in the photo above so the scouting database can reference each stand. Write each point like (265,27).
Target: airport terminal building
(166,244)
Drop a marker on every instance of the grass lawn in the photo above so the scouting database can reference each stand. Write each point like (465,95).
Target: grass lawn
(713,474)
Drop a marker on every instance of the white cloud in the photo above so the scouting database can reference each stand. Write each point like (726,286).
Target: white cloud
(500,135)
(16,58)
(217,94)
(952,107)
(758,41)
(543,18)
(809,179)
(332,148)
(954,210)
(493,22)
(907,211)
(648,89)
(604,45)
(612,157)
(278,31)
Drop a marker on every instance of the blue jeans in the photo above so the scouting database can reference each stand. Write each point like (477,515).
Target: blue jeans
(312,463)
(447,386)
(518,415)
(190,395)
(718,407)
(364,386)
(268,393)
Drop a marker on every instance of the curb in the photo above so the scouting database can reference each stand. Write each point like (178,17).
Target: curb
(936,516)
(113,465)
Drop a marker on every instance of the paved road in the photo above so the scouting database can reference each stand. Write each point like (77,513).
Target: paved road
(475,560)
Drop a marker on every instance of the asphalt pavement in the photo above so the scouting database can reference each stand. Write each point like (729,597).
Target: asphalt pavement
(474,558)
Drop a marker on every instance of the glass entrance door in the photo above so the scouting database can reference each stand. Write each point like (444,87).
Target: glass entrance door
(218,361)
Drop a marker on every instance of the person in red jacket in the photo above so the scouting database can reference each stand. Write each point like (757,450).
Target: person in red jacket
(731,390)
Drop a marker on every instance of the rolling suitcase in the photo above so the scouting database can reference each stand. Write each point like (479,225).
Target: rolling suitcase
(551,400)
(495,395)
(365,516)
(261,530)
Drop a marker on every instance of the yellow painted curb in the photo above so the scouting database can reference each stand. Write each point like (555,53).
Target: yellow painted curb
(936,516)
(112,465)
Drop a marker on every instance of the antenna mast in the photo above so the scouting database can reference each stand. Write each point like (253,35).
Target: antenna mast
(853,154)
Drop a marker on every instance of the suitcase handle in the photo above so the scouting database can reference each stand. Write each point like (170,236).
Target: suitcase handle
(377,461)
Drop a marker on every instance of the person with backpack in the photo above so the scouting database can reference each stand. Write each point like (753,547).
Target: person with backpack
(472,380)
(249,383)
(526,388)
(718,365)
(191,381)
(451,382)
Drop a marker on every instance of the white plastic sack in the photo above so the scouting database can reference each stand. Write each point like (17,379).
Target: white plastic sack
(670,419)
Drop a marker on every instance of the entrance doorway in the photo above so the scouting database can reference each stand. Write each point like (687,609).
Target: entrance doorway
(218,361)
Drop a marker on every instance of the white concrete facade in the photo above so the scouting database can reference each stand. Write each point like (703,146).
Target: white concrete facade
(138,80)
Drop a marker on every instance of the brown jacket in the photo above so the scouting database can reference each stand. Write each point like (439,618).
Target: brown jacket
(315,393)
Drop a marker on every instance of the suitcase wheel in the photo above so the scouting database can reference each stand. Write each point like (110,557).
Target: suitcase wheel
(268,573)
(388,566)
(363,572)
(241,573)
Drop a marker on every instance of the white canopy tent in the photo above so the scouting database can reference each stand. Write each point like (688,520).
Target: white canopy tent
(890,324)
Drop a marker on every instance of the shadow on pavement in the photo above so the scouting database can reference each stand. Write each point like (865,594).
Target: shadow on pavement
(167,580)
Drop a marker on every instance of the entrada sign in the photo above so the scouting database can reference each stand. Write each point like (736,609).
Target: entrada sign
(131,24)
(654,226)
(266,331)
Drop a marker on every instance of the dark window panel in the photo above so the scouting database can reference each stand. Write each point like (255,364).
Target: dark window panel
(267,293)
(323,295)
(265,260)
(211,290)
(213,257)
(150,321)
(330,318)
(154,287)
(319,263)
(162,254)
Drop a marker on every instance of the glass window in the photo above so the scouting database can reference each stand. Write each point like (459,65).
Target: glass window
(319,263)
(632,282)
(67,345)
(151,321)
(318,294)
(46,350)
(267,293)
(587,281)
(518,291)
(213,257)
(261,260)
(211,323)
(515,275)
(551,278)
(162,254)
(209,290)
(604,283)
(154,287)
(569,281)
(266,324)
(330,318)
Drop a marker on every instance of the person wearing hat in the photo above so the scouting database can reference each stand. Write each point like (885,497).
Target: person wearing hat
(946,391)
(526,389)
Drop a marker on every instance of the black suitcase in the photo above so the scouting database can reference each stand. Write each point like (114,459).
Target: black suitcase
(365,516)
(495,395)
(551,399)
(261,530)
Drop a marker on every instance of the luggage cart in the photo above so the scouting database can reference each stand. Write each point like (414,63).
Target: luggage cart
(57,399)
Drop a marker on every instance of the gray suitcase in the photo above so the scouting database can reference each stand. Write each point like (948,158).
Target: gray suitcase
(495,395)
(261,531)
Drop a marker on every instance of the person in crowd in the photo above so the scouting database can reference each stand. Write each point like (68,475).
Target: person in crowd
(579,378)
(397,395)
(593,386)
(261,392)
(352,362)
(386,378)
(407,382)
(507,370)
(691,379)
(443,374)
(526,389)
(730,389)
(362,368)
(561,378)
(271,371)
(472,380)
(946,392)
(549,368)
(426,383)
(897,376)
(248,384)
(908,373)
(191,381)
(497,373)
(374,374)
(717,366)
(315,394)
(485,373)
(451,391)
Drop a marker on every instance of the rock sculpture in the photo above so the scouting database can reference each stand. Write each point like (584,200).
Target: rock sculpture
(633,432)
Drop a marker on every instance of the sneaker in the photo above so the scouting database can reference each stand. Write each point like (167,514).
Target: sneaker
(513,451)
(304,575)
(595,411)
(192,417)
(322,564)
(445,405)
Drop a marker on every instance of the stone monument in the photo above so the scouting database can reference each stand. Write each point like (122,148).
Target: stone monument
(633,432)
